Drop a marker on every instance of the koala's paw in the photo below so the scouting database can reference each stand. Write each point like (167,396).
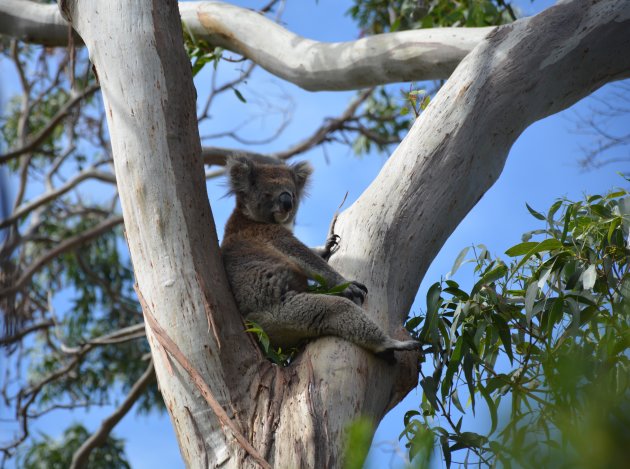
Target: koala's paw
(356,292)
(331,246)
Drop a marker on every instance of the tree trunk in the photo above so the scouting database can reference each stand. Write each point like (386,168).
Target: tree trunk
(146,81)
(295,417)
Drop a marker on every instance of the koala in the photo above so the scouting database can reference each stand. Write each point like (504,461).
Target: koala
(269,269)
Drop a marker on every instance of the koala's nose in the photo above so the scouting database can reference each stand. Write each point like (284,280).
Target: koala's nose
(286,201)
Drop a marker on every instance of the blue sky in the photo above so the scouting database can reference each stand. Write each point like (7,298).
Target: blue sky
(541,167)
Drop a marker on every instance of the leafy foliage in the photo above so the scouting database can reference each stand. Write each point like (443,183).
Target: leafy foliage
(380,16)
(47,453)
(275,355)
(387,118)
(358,440)
(200,51)
(541,341)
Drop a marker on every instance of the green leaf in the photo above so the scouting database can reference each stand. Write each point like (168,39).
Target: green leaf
(453,365)
(521,248)
(491,407)
(458,261)
(530,298)
(535,213)
(589,276)
(446,451)
(358,440)
(409,415)
(611,229)
(490,277)
(555,314)
(430,322)
(455,400)
(567,219)
(412,323)
(504,333)
(239,95)
(552,211)
(429,386)
(546,245)
(470,381)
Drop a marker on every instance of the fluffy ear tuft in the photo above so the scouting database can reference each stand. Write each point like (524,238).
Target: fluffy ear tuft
(241,173)
(301,171)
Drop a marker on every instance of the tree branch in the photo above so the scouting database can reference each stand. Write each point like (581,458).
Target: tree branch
(24,332)
(91,173)
(98,438)
(35,141)
(456,149)
(217,155)
(64,246)
(386,58)
(425,54)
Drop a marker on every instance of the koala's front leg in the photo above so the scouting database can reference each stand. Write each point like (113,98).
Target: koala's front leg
(314,267)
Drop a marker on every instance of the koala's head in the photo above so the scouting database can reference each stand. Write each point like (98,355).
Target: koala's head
(267,191)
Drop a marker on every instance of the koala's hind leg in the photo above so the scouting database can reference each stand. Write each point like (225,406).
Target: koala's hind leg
(307,315)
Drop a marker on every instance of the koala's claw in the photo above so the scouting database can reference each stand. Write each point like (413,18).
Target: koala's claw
(331,246)
(356,292)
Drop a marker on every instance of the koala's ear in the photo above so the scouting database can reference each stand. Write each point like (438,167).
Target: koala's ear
(241,173)
(302,171)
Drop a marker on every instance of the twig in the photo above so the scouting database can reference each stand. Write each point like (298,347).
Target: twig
(91,173)
(214,155)
(52,124)
(98,438)
(171,347)
(18,335)
(62,247)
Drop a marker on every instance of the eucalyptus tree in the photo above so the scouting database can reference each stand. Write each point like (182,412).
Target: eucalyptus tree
(229,404)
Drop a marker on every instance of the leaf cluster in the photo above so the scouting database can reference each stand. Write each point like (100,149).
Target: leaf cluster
(387,118)
(48,453)
(274,355)
(380,16)
(541,340)
(200,51)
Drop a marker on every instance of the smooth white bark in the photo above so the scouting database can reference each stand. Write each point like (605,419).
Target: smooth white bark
(137,50)
(424,54)
(386,58)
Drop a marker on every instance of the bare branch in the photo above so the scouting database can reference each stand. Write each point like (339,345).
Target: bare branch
(98,438)
(215,91)
(24,332)
(35,141)
(322,133)
(90,173)
(65,246)
(217,155)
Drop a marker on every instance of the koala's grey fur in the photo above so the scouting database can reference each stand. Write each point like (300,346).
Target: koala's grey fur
(269,269)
